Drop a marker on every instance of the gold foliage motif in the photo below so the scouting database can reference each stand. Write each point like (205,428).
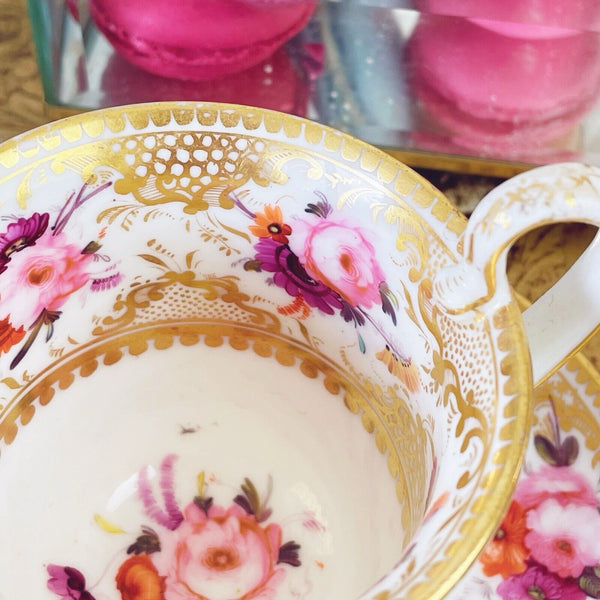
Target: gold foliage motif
(449,383)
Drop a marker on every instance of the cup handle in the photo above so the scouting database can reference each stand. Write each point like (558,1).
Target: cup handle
(560,321)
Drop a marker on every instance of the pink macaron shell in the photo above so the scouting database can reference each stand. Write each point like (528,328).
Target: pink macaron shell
(275,83)
(196,39)
(560,14)
(501,96)
(494,77)
(274,2)
(525,141)
(525,31)
(460,145)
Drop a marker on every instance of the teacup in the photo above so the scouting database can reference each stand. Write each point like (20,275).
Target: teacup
(245,356)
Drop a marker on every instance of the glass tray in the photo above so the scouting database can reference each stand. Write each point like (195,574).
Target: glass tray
(484,87)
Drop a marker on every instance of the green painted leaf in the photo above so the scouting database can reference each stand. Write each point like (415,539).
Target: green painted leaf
(546,449)
(252,495)
(569,451)
(589,582)
(289,554)
(203,503)
(252,265)
(147,543)
(361,344)
(91,248)
(242,501)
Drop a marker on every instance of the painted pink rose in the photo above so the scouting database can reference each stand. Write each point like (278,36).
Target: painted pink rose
(223,555)
(341,256)
(41,277)
(563,484)
(564,538)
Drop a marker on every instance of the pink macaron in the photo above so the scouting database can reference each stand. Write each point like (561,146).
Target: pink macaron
(501,94)
(199,39)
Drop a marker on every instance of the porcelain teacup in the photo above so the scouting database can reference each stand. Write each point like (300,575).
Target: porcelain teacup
(246,356)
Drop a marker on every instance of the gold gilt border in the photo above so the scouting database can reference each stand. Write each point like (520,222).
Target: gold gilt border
(495,489)
(97,124)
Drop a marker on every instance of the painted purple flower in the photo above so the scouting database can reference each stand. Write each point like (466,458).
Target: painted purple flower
(169,517)
(20,234)
(290,275)
(67,583)
(538,584)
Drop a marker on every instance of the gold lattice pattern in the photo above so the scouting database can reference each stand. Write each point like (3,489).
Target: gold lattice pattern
(196,168)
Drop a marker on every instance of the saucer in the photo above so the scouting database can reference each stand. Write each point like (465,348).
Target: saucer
(548,545)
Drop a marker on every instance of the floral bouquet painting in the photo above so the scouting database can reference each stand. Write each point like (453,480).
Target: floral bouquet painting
(548,545)
(200,552)
(328,262)
(41,267)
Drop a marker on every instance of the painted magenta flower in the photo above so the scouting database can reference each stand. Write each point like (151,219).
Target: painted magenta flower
(563,484)
(505,554)
(67,583)
(536,583)
(42,278)
(341,256)
(20,234)
(220,554)
(269,224)
(565,539)
(138,579)
(290,275)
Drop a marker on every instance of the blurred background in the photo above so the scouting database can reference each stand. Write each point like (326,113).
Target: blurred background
(482,87)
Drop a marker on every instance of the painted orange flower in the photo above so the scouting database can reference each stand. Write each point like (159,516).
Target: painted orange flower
(9,336)
(505,554)
(138,579)
(269,224)
(405,370)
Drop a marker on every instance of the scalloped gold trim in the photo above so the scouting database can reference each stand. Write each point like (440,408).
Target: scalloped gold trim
(114,120)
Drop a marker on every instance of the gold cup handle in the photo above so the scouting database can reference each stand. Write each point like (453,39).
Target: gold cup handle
(559,322)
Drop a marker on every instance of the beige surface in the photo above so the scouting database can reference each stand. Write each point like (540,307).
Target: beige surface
(21,104)
(536,261)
